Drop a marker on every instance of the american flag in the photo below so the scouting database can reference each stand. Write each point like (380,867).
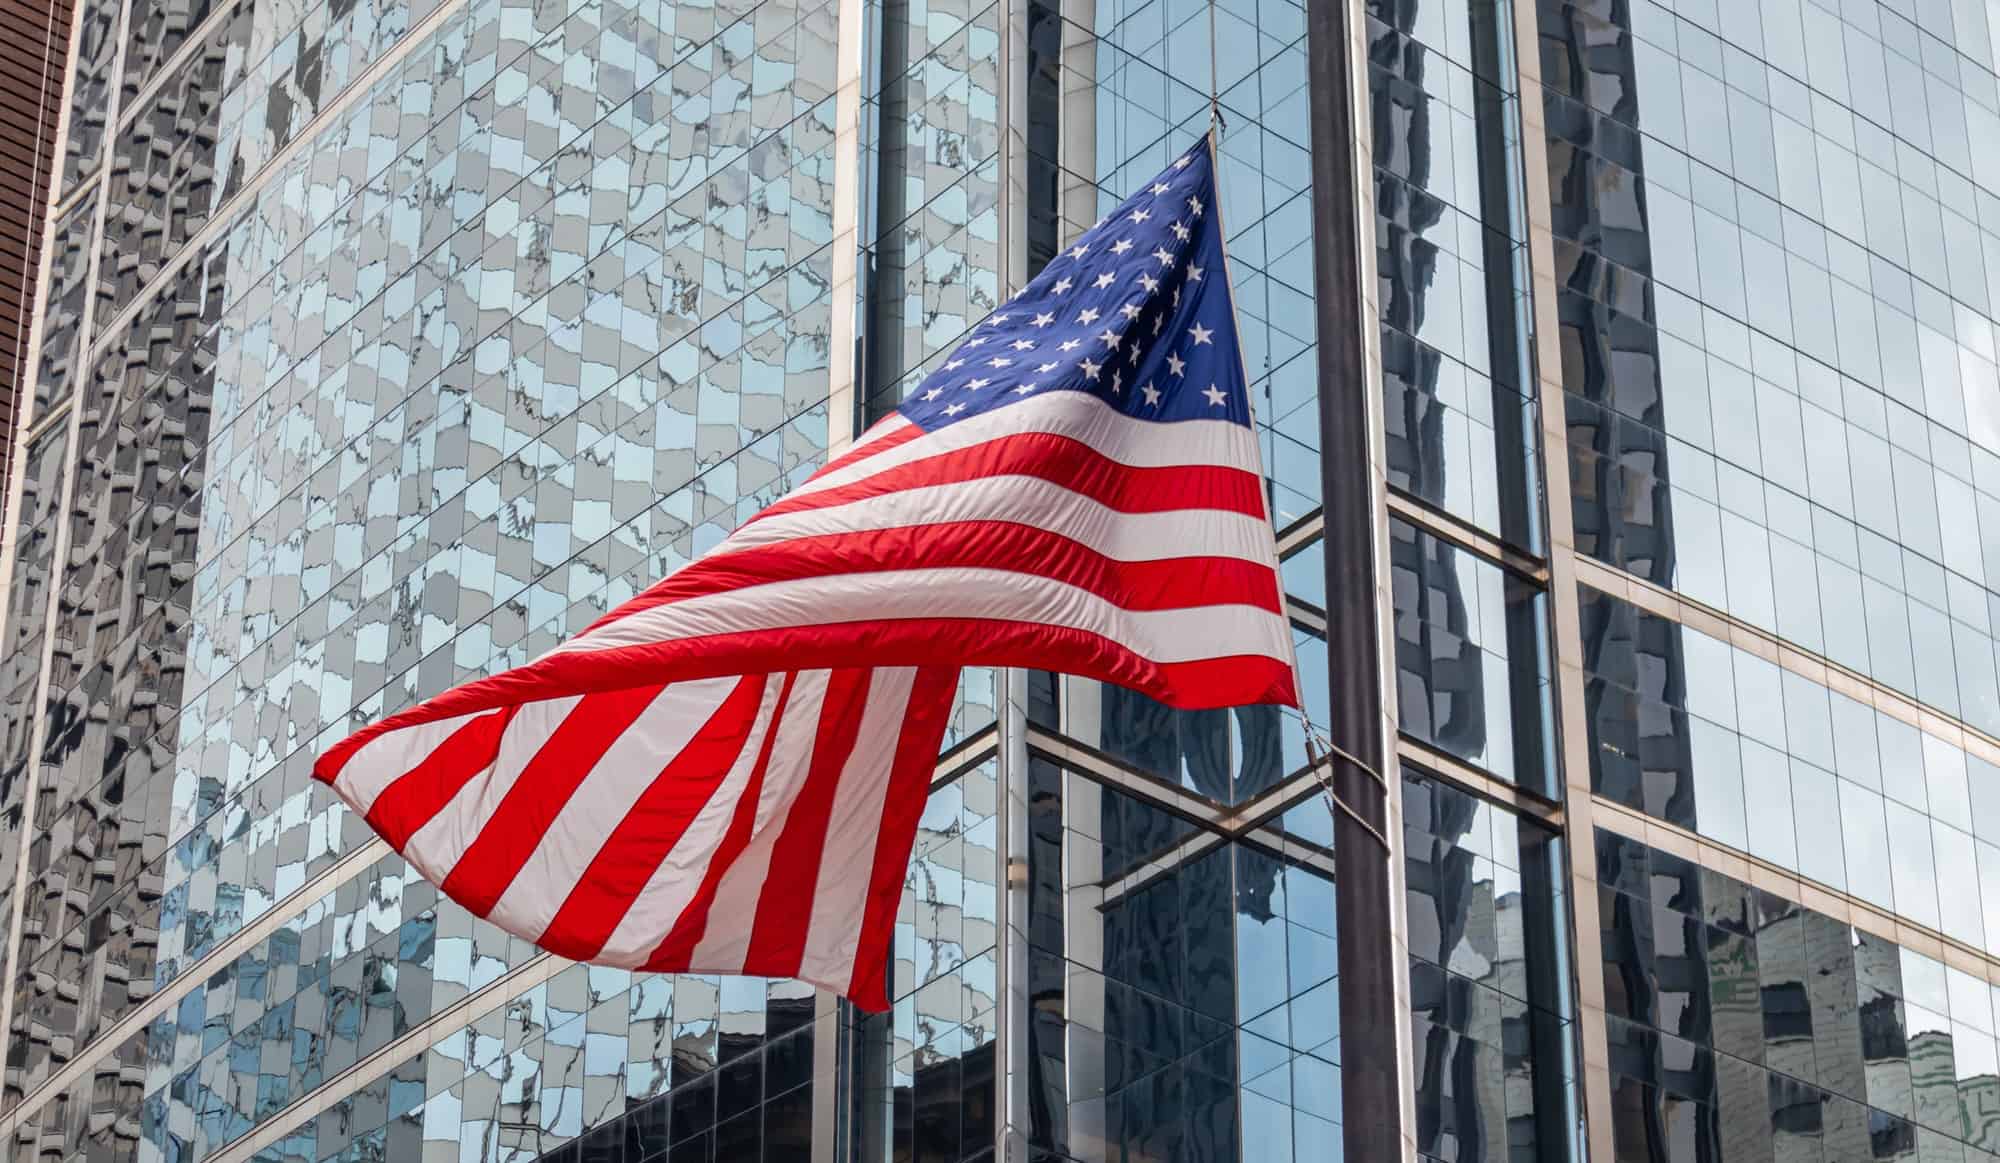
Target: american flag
(724,774)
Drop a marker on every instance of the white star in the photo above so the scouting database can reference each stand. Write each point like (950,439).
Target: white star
(1181,232)
(998,319)
(1109,338)
(996,361)
(975,341)
(953,409)
(1046,368)
(1115,386)
(1159,188)
(1180,163)
(1141,215)
(1199,334)
(1022,345)
(1104,280)
(1215,396)
(1129,310)
(1024,389)
(1166,260)
(1044,319)
(1157,320)
(975,384)
(1061,287)
(1121,246)
(1133,358)
(934,393)
(1079,251)
(954,365)
(1069,344)
(1194,204)
(1194,273)
(1177,296)
(1176,364)
(1090,369)
(1152,394)
(1150,283)
(1088,316)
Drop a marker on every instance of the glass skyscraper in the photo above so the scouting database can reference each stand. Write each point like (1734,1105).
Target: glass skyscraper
(381,344)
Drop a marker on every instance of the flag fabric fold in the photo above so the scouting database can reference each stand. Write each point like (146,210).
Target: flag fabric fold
(724,774)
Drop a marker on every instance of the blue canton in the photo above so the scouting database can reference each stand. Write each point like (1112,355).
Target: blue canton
(1135,312)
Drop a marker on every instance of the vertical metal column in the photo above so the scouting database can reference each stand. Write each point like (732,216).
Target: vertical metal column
(1373,1024)
(1012,1004)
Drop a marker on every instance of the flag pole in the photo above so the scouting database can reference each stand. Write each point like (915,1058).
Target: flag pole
(1378,1118)
(1215,110)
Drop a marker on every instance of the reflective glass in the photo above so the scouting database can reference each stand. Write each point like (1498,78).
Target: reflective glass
(1490,1031)
(1450,258)
(1715,738)
(1772,226)
(1742,1026)
(98,33)
(1186,987)
(499,404)
(1471,658)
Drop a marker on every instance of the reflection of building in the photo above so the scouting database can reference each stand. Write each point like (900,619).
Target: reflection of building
(383,343)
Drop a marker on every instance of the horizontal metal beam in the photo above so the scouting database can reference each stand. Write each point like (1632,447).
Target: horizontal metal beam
(1469,537)
(1479,782)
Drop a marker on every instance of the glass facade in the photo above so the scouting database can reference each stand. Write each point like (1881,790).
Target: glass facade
(1743,1026)
(1773,227)
(383,344)
(1770,244)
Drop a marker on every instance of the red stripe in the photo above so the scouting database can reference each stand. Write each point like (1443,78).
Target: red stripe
(673,953)
(784,912)
(902,805)
(424,790)
(508,837)
(658,819)
(1169,584)
(1225,681)
(1058,459)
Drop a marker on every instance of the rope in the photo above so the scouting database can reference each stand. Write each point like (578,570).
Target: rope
(1319,746)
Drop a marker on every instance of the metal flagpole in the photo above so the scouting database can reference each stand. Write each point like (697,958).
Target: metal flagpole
(1372,947)
(1356,790)
(1215,115)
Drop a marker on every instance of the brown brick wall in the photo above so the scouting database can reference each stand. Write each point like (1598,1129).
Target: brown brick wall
(34,46)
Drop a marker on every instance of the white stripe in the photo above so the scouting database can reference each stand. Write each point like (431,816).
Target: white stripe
(673,884)
(733,920)
(1130,442)
(436,847)
(847,860)
(1030,501)
(388,757)
(1177,635)
(603,798)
